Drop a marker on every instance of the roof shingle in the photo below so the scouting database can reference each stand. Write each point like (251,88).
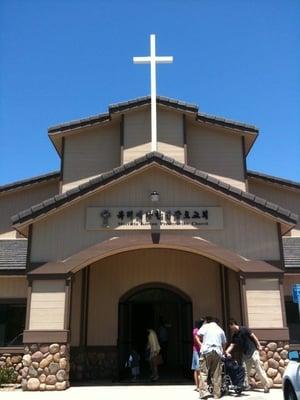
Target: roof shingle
(140,101)
(273,179)
(154,157)
(30,181)
(13,254)
(291,251)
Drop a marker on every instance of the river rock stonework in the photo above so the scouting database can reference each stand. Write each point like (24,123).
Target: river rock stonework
(46,367)
(274,357)
(13,361)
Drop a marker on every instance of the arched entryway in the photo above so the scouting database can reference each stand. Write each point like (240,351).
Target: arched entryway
(168,311)
(114,297)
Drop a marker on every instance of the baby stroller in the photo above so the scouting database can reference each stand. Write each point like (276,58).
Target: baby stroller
(233,377)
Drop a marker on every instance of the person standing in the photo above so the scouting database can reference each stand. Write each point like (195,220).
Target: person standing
(213,342)
(134,364)
(196,353)
(163,337)
(154,348)
(247,342)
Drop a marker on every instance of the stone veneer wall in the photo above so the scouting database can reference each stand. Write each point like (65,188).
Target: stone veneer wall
(46,367)
(92,363)
(14,361)
(274,358)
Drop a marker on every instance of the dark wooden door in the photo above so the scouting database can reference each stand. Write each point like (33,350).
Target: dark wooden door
(136,316)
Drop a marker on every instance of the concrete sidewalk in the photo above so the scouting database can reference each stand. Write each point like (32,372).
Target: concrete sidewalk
(180,392)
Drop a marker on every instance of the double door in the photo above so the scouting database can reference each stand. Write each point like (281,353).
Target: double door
(136,317)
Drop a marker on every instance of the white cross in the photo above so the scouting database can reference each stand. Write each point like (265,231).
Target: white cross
(153,60)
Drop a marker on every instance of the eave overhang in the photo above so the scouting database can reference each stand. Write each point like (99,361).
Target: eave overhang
(270,179)
(57,132)
(24,183)
(285,217)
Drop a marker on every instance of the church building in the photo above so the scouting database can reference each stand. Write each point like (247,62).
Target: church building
(126,235)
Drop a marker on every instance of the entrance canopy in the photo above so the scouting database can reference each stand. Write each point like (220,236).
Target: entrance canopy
(136,241)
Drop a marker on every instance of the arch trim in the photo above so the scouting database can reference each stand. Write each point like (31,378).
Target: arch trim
(154,285)
(136,241)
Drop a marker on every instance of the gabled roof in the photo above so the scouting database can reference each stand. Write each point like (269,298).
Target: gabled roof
(141,101)
(13,254)
(231,192)
(57,132)
(30,181)
(273,179)
(291,251)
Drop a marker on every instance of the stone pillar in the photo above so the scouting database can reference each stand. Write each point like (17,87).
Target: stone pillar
(46,367)
(274,358)
(46,360)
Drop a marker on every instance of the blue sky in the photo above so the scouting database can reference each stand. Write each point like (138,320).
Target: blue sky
(64,60)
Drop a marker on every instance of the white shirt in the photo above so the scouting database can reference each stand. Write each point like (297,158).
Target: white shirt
(153,343)
(213,338)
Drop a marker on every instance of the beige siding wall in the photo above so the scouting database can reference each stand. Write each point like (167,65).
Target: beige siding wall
(13,288)
(90,153)
(111,278)
(170,134)
(216,152)
(287,198)
(245,232)
(76,309)
(264,303)
(137,133)
(18,200)
(47,307)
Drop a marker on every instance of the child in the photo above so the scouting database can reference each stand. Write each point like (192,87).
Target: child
(134,363)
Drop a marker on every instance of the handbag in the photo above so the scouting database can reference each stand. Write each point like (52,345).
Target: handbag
(158,359)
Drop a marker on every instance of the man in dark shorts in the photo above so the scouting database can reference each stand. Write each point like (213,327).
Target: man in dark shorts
(246,342)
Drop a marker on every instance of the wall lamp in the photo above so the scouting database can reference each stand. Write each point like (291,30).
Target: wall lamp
(154,196)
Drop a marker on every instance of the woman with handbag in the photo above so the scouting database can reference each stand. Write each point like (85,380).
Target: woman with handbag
(196,354)
(154,357)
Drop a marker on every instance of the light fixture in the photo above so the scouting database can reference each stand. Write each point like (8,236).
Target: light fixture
(154,196)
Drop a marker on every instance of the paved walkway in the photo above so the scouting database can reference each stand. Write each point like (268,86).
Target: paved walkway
(185,392)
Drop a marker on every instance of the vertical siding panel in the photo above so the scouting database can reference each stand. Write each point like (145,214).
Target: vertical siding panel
(12,203)
(47,306)
(286,198)
(137,134)
(216,152)
(264,303)
(90,153)
(170,134)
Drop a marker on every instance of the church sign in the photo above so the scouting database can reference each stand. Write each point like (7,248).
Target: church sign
(146,218)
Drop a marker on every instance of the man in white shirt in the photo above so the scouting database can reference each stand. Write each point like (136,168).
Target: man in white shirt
(213,341)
